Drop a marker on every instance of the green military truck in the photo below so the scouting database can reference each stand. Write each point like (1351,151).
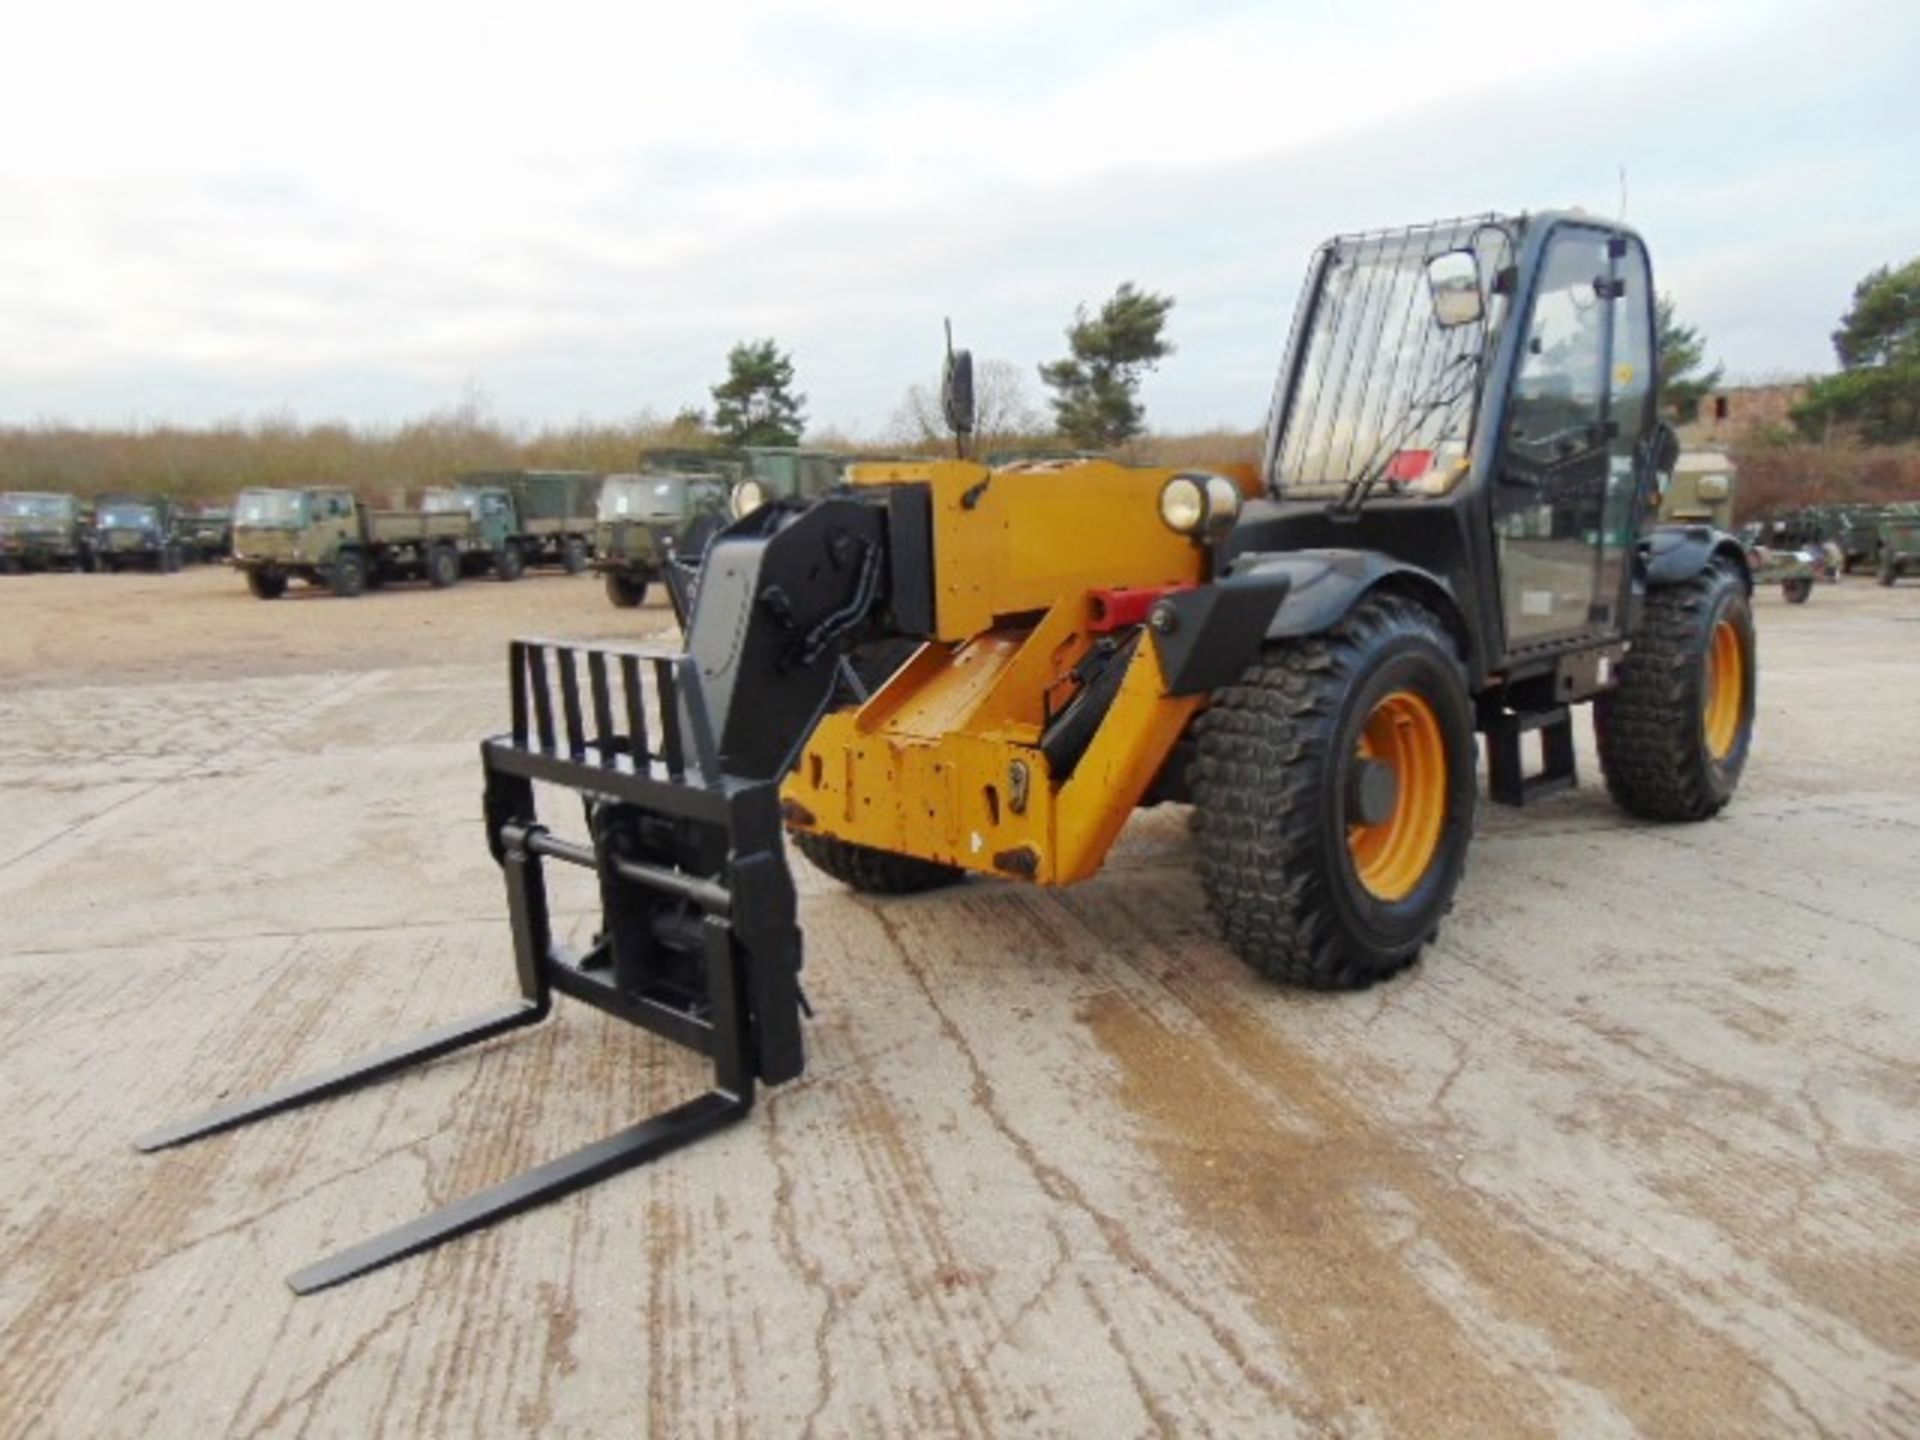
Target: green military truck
(1700,492)
(40,530)
(138,532)
(208,533)
(324,536)
(525,517)
(1899,544)
(662,514)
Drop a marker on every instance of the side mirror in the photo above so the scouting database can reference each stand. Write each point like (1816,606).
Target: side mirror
(1453,279)
(1665,448)
(956,392)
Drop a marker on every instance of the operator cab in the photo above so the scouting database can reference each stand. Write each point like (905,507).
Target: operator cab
(1472,399)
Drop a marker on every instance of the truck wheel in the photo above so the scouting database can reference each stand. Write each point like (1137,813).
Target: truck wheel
(871,871)
(443,567)
(508,562)
(1334,795)
(349,577)
(171,560)
(1799,590)
(573,555)
(626,591)
(266,584)
(1889,572)
(1674,732)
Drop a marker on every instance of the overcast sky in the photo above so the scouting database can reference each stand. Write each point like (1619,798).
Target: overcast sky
(370,210)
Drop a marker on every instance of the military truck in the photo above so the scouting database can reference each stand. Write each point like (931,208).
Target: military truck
(525,517)
(1899,545)
(138,532)
(41,530)
(665,511)
(208,533)
(1699,491)
(324,536)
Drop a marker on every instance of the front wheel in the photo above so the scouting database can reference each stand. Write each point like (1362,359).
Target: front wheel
(626,591)
(349,575)
(1798,590)
(508,562)
(443,567)
(266,584)
(1334,796)
(1674,732)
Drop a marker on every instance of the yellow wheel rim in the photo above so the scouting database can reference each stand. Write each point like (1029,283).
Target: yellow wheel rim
(1392,857)
(1726,695)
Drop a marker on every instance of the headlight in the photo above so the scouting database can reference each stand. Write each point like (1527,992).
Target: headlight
(748,496)
(1183,504)
(1192,503)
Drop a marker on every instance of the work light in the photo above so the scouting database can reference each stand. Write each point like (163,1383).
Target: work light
(748,496)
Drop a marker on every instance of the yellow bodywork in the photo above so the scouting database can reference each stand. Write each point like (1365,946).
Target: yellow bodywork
(944,760)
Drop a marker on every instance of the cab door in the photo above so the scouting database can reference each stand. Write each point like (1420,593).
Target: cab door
(1564,501)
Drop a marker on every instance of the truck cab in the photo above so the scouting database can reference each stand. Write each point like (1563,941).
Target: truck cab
(646,520)
(138,532)
(40,530)
(286,534)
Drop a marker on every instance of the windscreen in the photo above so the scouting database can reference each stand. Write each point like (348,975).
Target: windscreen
(643,497)
(127,515)
(1384,370)
(448,502)
(33,507)
(270,508)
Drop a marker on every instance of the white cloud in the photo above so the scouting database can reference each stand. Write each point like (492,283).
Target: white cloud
(582,205)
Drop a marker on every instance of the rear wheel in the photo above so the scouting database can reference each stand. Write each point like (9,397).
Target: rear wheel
(626,591)
(266,584)
(573,555)
(508,562)
(1334,796)
(349,574)
(1674,733)
(876,872)
(443,567)
(1799,590)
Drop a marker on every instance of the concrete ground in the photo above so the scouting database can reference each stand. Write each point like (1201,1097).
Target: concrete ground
(1635,1150)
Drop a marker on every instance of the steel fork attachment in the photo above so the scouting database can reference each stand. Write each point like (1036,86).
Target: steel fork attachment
(699,941)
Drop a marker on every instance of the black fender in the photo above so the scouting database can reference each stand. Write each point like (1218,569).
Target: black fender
(1327,584)
(1208,636)
(1674,554)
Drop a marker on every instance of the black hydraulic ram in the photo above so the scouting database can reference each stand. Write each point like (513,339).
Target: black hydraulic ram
(678,757)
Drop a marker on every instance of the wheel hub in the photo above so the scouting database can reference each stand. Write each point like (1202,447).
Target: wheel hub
(1396,792)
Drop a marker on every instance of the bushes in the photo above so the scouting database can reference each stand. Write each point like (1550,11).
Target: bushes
(1776,477)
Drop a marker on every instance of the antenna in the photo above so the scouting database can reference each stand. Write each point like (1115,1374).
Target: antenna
(1623,193)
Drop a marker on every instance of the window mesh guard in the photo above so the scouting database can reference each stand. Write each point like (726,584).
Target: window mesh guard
(1375,388)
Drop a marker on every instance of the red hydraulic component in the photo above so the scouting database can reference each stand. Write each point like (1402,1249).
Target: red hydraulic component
(1117,609)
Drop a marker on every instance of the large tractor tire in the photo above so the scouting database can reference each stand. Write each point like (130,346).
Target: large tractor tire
(626,591)
(347,577)
(875,872)
(1675,731)
(1334,794)
(443,567)
(266,584)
